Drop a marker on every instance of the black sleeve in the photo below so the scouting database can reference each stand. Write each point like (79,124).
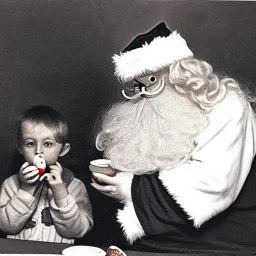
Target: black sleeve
(156,210)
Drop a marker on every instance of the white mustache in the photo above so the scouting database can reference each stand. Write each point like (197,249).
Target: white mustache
(160,87)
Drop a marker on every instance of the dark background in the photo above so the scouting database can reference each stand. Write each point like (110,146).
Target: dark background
(59,53)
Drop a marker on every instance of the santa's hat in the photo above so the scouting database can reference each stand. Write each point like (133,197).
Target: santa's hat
(150,52)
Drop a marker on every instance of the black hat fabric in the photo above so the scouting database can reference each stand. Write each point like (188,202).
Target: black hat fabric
(150,52)
(140,40)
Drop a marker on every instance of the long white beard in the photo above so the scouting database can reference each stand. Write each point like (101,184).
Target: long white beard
(152,134)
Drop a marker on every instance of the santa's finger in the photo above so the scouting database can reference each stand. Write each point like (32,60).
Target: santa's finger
(108,194)
(104,189)
(102,178)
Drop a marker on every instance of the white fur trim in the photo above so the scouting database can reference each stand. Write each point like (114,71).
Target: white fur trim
(199,206)
(130,224)
(209,183)
(162,51)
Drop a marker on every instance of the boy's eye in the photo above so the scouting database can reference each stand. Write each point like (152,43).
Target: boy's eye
(30,144)
(47,144)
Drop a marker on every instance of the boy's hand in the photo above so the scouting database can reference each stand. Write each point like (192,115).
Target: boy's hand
(28,174)
(58,188)
(54,177)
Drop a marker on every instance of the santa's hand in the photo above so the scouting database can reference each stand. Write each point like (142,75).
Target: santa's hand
(28,174)
(117,187)
(54,176)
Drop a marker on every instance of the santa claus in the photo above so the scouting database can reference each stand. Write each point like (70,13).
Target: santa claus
(182,146)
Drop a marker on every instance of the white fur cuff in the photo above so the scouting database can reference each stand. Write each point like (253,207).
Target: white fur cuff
(130,224)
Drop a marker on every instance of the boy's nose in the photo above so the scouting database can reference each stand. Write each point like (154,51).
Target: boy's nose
(39,149)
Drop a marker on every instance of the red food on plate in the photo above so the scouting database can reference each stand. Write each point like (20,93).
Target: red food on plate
(115,251)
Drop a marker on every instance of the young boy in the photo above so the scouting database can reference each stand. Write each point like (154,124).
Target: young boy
(53,207)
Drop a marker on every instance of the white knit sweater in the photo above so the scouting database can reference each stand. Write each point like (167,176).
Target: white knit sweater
(17,206)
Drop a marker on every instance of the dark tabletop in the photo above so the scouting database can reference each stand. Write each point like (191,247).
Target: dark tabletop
(13,246)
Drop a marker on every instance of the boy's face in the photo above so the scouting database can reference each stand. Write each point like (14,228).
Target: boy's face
(39,139)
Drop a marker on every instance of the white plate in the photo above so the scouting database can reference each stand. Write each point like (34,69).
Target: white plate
(82,250)
(101,162)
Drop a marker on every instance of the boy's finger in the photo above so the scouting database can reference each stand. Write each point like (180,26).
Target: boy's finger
(29,169)
(44,176)
(55,167)
(93,180)
(55,173)
(24,165)
(59,165)
(30,181)
(31,174)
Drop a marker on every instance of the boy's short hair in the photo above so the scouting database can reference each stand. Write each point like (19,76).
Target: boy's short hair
(47,116)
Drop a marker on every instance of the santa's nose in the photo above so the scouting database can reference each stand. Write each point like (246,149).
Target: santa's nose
(143,88)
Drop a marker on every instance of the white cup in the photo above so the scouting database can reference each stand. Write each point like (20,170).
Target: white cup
(103,164)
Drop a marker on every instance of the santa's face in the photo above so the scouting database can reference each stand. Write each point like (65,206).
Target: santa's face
(152,131)
(146,86)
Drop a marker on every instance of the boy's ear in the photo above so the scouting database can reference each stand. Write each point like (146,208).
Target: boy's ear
(65,149)
(18,147)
